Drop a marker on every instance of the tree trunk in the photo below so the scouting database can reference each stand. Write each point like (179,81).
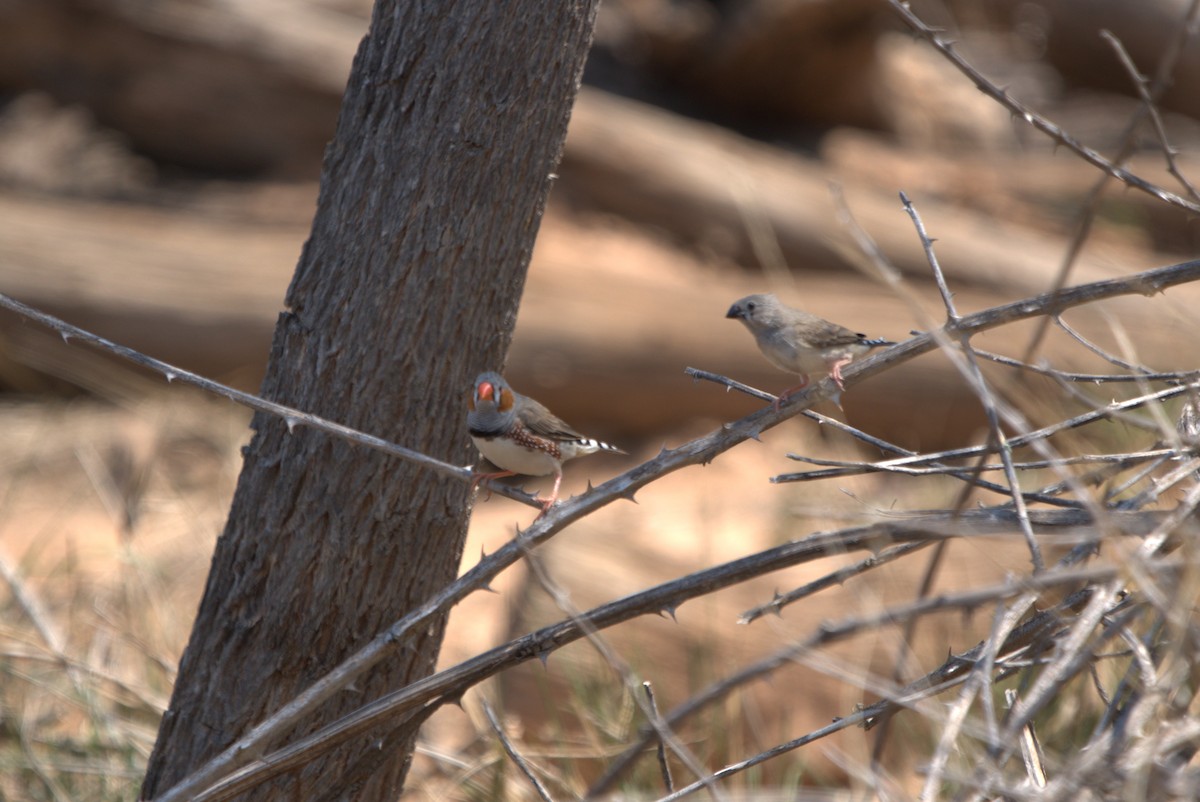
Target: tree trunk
(432,191)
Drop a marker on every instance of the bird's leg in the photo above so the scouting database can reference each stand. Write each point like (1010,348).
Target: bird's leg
(789,391)
(835,370)
(483,477)
(548,503)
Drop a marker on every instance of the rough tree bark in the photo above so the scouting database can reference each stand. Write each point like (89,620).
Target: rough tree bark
(433,187)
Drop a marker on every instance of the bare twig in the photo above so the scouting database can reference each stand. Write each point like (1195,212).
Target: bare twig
(664,768)
(1031,750)
(1088,378)
(292,417)
(856,467)
(1087,214)
(1031,117)
(869,439)
(666,737)
(1162,485)
(974,376)
(1141,370)
(952,671)
(453,682)
(977,686)
(514,755)
(931,257)
(1072,656)
(831,579)
(1019,441)
(1150,103)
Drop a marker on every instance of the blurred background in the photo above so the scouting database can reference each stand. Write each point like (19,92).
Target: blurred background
(158,174)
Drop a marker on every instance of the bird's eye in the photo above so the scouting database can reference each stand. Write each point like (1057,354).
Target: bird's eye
(750,306)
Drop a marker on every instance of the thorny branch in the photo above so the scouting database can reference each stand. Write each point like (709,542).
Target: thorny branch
(871,440)
(514,755)
(1091,204)
(969,367)
(1001,96)
(698,451)
(449,684)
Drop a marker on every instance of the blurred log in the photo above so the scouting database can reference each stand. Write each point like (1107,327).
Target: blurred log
(199,290)
(715,190)
(1037,189)
(613,311)
(768,65)
(1067,34)
(250,86)
(232,87)
(609,320)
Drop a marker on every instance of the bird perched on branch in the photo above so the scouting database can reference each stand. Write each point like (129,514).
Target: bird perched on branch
(520,436)
(799,342)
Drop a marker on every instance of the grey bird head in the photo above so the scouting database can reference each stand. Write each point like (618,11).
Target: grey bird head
(493,405)
(758,312)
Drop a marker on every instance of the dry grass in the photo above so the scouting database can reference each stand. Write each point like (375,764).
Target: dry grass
(109,513)
(107,519)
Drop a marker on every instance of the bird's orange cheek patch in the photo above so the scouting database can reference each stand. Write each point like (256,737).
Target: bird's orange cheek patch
(506,400)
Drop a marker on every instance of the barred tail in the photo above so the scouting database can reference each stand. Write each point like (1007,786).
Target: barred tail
(589,446)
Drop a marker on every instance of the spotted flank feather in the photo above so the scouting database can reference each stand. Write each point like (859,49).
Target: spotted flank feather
(523,437)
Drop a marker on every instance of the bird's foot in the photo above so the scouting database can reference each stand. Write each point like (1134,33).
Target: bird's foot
(789,392)
(835,372)
(483,477)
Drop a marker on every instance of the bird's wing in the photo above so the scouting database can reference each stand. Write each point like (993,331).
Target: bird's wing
(542,421)
(829,335)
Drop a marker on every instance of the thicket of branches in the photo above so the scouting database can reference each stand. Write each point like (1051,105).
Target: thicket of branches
(1111,540)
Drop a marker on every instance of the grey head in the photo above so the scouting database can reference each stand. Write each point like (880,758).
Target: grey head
(492,405)
(496,408)
(760,312)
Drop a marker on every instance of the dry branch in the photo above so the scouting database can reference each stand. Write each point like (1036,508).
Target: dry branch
(450,684)
(699,451)
(1039,122)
